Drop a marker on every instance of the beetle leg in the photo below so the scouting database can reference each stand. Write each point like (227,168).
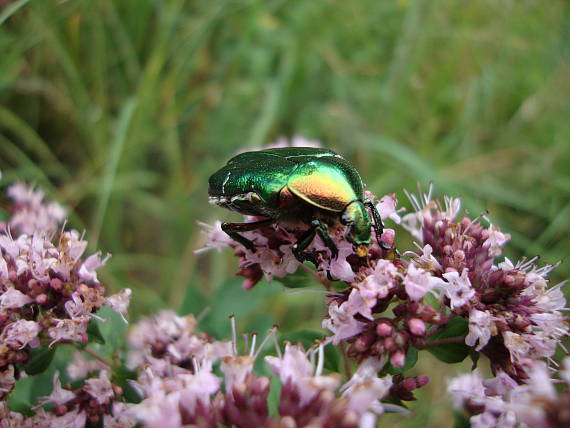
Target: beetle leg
(324,234)
(232,230)
(304,241)
(378,225)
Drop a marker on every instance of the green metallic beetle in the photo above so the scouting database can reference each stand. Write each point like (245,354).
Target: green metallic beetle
(296,186)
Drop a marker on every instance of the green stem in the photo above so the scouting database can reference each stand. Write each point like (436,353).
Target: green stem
(98,357)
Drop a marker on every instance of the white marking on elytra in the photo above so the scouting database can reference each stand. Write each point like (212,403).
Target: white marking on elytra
(225,181)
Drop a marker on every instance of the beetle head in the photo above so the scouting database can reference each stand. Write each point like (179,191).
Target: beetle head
(358,222)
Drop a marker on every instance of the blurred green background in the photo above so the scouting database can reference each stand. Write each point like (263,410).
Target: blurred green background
(122,109)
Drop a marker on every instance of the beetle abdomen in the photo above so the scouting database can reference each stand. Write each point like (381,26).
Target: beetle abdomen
(324,185)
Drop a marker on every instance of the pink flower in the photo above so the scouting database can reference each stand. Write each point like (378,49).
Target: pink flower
(387,208)
(419,282)
(216,238)
(295,141)
(417,327)
(80,367)
(31,214)
(198,388)
(120,302)
(501,384)
(235,370)
(379,283)
(517,344)
(72,245)
(547,299)
(167,398)
(426,260)
(458,288)
(540,382)
(100,388)
(481,328)
(3,268)
(357,305)
(495,240)
(58,395)
(13,299)
(73,419)
(22,194)
(76,308)
(74,330)
(21,333)
(295,368)
(342,323)
(466,387)
(7,381)
(121,418)
(365,389)
(90,265)
(339,267)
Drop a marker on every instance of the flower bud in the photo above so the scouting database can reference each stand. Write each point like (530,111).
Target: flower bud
(384,329)
(390,344)
(388,237)
(398,359)
(56,284)
(417,327)
(363,342)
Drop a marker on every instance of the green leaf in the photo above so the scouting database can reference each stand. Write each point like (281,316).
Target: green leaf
(193,301)
(460,421)
(456,327)
(121,377)
(451,352)
(247,306)
(112,330)
(94,332)
(40,360)
(300,279)
(19,398)
(411,360)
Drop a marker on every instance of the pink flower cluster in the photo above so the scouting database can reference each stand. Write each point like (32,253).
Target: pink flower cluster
(501,402)
(95,401)
(513,313)
(386,306)
(176,394)
(48,292)
(30,213)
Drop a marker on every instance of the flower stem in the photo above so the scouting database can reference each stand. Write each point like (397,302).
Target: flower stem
(98,357)
(345,361)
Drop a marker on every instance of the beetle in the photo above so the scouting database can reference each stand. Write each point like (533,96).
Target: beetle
(296,187)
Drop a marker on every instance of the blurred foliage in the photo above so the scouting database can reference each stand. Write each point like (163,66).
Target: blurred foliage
(122,109)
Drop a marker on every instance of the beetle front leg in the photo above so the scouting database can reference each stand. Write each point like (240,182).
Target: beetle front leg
(232,230)
(304,241)
(378,225)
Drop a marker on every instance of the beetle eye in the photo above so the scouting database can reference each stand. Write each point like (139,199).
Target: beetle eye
(253,197)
